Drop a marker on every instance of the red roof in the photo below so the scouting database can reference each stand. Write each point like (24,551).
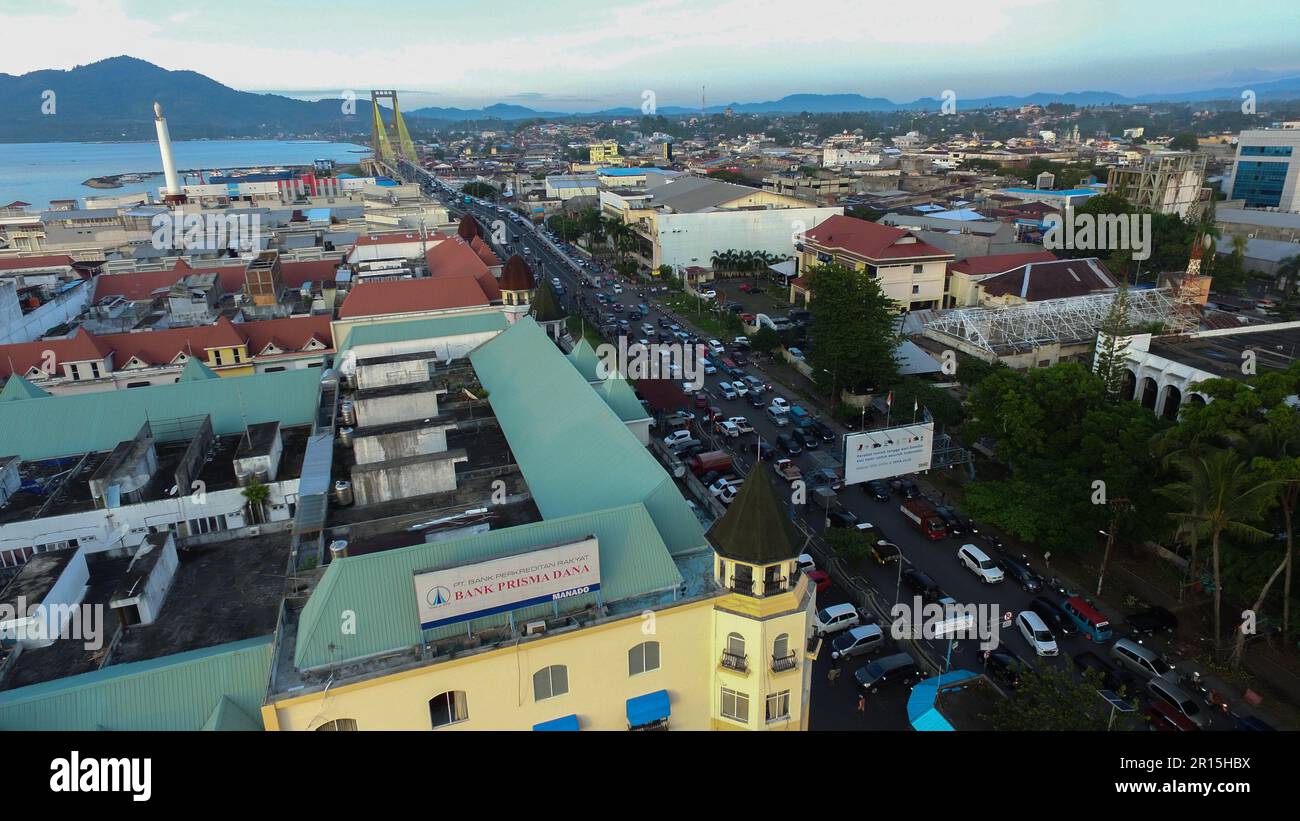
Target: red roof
(456,258)
(401,296)
(1051,280)
(161,347)
(16,204)
(870,240)
(517,276)
(140,285)
(23,263)
(485,252)
(999,263)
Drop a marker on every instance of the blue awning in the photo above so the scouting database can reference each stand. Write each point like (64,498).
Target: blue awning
(569,722)
(921,710)
(648,709)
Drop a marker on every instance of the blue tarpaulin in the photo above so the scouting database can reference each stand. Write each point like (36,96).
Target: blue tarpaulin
(920,705)
(648,709)
(569,722)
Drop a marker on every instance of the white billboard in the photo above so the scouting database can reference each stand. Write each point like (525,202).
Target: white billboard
(475,590)
(879,454)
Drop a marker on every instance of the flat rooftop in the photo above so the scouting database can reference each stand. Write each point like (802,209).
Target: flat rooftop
(1221,354)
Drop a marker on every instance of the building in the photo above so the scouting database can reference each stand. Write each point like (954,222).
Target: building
(826,189)
(1165,183)
(910,272)
(964,276)
(1266,169)
(1060,200)
(604,152)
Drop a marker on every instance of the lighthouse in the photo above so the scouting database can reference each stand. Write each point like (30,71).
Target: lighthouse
(169,163)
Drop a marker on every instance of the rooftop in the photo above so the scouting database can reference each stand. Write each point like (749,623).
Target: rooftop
(1276,347)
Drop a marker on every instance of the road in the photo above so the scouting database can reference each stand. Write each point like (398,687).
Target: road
(833,706)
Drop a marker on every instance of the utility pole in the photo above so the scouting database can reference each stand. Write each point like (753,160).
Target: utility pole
(1117,506)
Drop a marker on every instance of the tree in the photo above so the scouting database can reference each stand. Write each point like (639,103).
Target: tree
(481,190)
(255,495)
(1111,345)
(1185,141)
(1276,443)
(1049,697)
(765,340)
(1218,494)
(853,326)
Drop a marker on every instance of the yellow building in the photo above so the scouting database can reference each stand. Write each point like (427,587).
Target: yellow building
(604,152)
(613,612)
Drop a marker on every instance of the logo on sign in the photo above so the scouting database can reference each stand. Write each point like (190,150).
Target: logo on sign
(438,597)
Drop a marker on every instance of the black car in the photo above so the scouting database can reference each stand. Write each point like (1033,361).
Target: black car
(809,440)
(921,584)
(663,320)
(1021,575)
(756,400)
(1052,616)
(841,518)
(904,486)
(765,451)
(787,443)
(899,668)
(710,477)
(739,358)
(950,520)
(1111,677)
(1005,666)
(1157,619)
(885,552)
(878,488)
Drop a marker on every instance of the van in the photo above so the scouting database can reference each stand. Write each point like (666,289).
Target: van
(1142,661)
(778,417)
(858,641)
(1179,699)
(1090,621)
(834,618)
(978,562)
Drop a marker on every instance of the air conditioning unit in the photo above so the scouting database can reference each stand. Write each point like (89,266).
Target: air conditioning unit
(534,628)
(255,531)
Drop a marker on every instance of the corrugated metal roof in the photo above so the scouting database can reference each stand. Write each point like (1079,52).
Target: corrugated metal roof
(68,424)
(177,692)
(379,587)
(575,453)
(619,396)
(387,332)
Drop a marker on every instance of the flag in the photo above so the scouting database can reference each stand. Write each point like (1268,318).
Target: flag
(889,400)
(916,405)
(926,416)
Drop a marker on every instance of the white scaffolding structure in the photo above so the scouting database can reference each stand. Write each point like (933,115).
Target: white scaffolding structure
(1020,328)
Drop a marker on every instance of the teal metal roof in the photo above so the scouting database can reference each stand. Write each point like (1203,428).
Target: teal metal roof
(576,454)
(584,358)
(195,371)
(19,388)
(185,691)
(621,398)
(44,427)
(380,590)
(455,325)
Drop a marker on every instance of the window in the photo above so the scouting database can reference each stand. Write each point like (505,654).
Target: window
(918,269)
(735,705)
(448,708)
(735,644)
(216,357)
(643,658)
(94,370)
(338,725)
(778,706)
(916,289)
(781,647)
(550,681)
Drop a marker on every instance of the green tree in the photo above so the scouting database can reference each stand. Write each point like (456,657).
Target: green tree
(1050,698)
(1185,141)
(765,340)
(1112,343)
(853,325)
(255,495)
(480,190)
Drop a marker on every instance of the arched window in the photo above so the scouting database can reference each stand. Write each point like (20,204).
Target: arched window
(643,658)
(550,681)
(338,725)
(735,644)
(450,707)
(781,647)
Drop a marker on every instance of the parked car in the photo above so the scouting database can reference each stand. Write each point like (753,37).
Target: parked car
(1036,633)
(1153,620)
(858,641)
(780,405)
(921,584)
(677,437)
(788,444)
(756,400)
(820,579)
(905,486)
(1005,666)
(885,552)
(807,439)
(1052,616)
(835,618)
(879,489)
(842,518)
(727,391)
(900,669)
(978,562)
(1142,661)
(1021,575)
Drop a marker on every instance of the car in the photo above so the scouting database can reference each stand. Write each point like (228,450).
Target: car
(795,352)
(755,384)
(778,418)
(701,399)
(717,347)
(1036,633)
(835,618)
(1052,615)
(1111,678)
(819,578)
(1152,620)
(765,451)
(728,429)
(726,390)
(905,486)
(741,342)
(878,488)
(899,668)
(618,307)
(823,430)
(714,414)
(1164,717)
(1142,661)
(741,423)
(687,447)
(1021,575)
(740,358)
(677,437)
(787,443)
(779,405)
(808,440)
(858,641)
(709,369)
(806,562)
(952,522)
(1005,666)
(707,294)
(740,388)
(756,400)
(921,584)
(720,485)
(842,518)
(978,562)
(885,552)
(728,494)
(1175,696)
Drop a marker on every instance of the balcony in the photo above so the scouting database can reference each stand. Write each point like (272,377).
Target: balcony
(774,586)
(732,661)
(782,663)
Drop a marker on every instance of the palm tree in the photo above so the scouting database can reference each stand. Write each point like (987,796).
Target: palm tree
(255,495)
(1277,453)
(1218,494)
(1288,270)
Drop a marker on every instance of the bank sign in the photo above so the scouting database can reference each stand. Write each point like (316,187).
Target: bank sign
(880,454)
(473,591)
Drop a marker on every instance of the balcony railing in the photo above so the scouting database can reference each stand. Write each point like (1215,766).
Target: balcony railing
(765,587)
(782,663)
(732,661)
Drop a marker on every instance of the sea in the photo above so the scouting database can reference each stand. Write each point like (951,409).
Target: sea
(39,172)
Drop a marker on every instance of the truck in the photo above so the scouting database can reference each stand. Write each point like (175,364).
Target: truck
(922,517)
(787,470)
(829,470)
(718,460)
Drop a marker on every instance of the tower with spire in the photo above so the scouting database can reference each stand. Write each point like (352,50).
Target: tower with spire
(517,284)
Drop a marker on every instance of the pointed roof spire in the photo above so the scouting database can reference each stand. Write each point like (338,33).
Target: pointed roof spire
(468,228)
(19,388)
(756,528)
(195,371)
(516,275)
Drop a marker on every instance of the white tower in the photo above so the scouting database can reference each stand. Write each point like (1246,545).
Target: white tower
(165,146)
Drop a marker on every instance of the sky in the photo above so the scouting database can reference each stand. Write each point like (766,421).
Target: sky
(575,55)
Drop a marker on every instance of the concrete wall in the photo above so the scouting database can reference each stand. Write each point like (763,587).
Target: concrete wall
(387,410)
(692,239)
(416,442)
(28,327)
(394,373)
(383,482)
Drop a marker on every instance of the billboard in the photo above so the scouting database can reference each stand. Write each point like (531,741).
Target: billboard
(879,454)
(473,591)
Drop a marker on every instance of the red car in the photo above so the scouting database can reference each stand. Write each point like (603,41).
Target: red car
(819,578)
(701,400)
(747,288)
(748,319)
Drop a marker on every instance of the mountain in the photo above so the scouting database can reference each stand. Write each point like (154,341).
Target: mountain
(497,111)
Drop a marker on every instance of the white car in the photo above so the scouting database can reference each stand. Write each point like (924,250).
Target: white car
(740,388)
(618,289)
(727,391)
(978,562)
(779,405)
(676,437)
(806,562)
(1036,633)
(778,417)
(720,485)
(709,369)
(728,494)
(728,429)
(706,294)
(717,347)
(742,424)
